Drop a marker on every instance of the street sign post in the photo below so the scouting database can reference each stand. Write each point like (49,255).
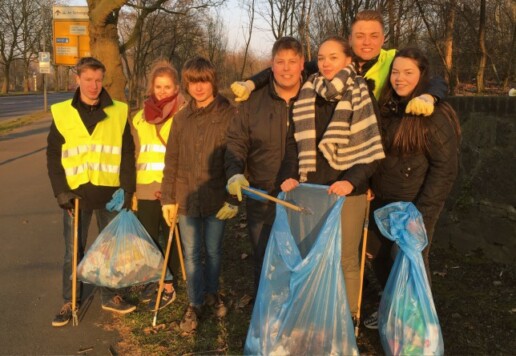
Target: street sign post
(44,68)
(71,35)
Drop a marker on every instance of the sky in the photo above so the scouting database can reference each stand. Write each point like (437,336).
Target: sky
(235,21)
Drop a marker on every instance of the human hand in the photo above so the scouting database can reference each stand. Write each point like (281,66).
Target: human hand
(421,105)
(288,185)
(128,201)
(242,90)
(66,200)
(169,213)
(341,188)
(235,185)
(228,211)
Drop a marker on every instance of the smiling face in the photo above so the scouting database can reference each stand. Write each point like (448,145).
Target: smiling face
(90,85)
(331,59)
(366,39)
(164,87)
(287,66)
(405,76)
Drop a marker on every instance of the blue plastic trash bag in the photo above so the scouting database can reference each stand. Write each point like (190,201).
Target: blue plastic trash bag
(117,201)
(407,320)
(301,306)
(123,255)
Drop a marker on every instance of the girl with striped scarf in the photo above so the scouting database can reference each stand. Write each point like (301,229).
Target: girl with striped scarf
(334,140)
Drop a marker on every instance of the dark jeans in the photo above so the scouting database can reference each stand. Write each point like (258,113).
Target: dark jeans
(260,217)
(103,218)
(150,215)
(198,234)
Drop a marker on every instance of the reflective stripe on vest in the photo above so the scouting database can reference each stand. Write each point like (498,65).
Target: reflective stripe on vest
(151,156)
(91,158)
(379,72)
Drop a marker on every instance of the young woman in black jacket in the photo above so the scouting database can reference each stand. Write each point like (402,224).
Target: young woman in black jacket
(421,161)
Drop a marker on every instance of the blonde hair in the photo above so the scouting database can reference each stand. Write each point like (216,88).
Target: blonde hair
(161,68)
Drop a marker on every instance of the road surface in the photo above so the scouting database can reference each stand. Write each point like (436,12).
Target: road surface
(31,257)
(12,106)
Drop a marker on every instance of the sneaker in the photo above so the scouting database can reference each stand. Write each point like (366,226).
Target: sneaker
(190,318)
(372,321)
(118,305)
(166,299)
(147,293)
(215,301)
(64,315)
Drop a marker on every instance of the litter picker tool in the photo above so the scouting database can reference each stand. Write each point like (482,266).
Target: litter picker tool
(369,197)
(257,192)
(75,319)
(173,228)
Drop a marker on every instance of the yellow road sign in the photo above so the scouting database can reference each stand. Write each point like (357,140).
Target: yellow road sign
(71,41)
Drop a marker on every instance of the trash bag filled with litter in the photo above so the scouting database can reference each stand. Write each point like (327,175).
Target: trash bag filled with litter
(301,306)
(123,255)
(407,319)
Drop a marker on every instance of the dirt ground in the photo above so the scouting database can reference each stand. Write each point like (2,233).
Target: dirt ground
(474,298)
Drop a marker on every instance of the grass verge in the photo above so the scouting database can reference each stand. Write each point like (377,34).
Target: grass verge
(10,125)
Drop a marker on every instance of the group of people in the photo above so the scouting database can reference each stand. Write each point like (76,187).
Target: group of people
(358,118)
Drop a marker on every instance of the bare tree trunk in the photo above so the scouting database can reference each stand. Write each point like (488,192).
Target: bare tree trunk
(104,43)
(6,83)
(482,47)
(390,9)
(250,13)
(510,67)
(448,46)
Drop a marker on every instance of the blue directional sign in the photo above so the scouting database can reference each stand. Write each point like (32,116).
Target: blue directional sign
(62,40)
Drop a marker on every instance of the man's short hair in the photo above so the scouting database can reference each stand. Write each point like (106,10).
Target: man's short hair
(285,43)
(89,63)
(369,15)
(199,69)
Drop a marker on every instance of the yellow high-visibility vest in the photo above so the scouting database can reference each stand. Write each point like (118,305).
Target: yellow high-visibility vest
(151,157)
(379,72)
(91,158)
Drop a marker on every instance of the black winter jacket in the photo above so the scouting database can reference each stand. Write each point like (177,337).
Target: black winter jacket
(92,196)
(357,175)
(194,161)
(424,178)
(256,137)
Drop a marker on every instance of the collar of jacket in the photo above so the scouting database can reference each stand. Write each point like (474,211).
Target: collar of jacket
(215,106)
(104,100)
(366,66)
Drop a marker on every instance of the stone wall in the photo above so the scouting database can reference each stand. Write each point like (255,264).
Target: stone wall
(480,212)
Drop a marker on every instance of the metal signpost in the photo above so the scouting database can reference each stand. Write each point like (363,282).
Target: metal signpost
(44,68)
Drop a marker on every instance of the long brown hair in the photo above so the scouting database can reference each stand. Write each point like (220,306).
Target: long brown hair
(412,133)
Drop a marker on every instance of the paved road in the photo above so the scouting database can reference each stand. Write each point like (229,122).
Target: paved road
(18,105)
(31,255)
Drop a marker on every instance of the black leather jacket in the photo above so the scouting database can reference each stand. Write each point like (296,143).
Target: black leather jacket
(424,178)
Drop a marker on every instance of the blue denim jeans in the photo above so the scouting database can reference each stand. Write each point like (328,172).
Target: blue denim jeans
(103,218)
(198,234)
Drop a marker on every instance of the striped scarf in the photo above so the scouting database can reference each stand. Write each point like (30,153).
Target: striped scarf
(352,136)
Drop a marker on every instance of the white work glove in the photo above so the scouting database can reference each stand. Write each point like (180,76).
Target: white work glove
(235,185)
(169,213)
(421,105)
(228,211)
(242,90)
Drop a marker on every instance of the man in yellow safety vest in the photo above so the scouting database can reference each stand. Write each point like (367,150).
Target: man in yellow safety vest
(90,155)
